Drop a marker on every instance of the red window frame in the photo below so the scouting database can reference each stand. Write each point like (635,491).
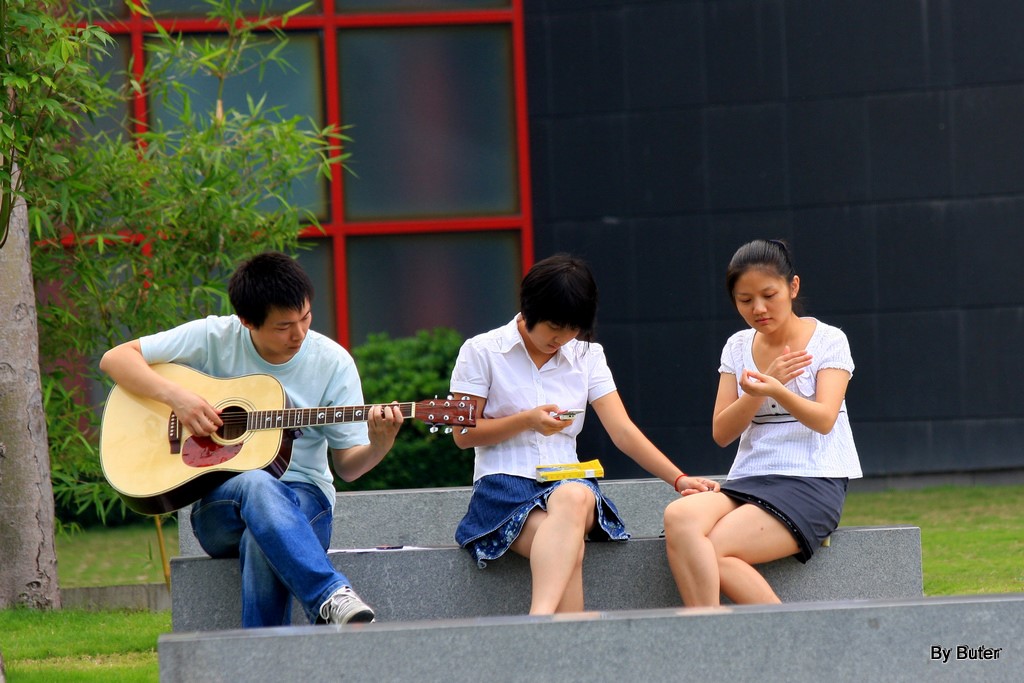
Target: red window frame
(327,22)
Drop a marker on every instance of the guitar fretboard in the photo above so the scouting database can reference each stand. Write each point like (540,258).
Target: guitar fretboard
(293,418)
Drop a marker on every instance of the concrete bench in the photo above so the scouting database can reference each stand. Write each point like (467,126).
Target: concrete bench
(444,583)
(428,517)
(972,638)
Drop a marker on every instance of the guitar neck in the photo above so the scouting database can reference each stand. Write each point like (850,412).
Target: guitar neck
(294,418)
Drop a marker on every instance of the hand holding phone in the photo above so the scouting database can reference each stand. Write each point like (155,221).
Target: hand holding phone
(568,415)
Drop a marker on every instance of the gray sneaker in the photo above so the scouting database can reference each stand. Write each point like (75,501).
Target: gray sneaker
(344,607)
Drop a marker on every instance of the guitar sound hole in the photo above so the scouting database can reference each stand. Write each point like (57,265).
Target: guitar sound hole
(234,418)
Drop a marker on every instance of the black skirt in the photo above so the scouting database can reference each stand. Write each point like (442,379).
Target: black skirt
(810,507)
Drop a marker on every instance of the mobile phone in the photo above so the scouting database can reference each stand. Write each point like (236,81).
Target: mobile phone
(568,415)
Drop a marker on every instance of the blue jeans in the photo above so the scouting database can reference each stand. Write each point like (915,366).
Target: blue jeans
(280,532)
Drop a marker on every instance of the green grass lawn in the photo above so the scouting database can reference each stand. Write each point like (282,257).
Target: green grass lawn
(971,542)
(971,537)
(93,647)
(114,557)
(75,645)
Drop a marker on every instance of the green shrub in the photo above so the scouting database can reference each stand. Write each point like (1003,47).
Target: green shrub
(412,369)
(132,235)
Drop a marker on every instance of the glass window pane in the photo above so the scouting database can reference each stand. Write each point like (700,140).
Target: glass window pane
(198,8)
(318,262)
(401,284)
(296,89)
(114,66)
(432,121)
(344,6)
(107,8)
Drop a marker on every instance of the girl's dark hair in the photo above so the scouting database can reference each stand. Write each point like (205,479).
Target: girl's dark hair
(773,256)
(268,280)
(560,290)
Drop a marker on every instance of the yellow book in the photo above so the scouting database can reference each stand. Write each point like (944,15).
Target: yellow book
(570,470)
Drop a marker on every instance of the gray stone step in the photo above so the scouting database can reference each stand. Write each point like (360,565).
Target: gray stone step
(444,583)
(872,640)
(428,517)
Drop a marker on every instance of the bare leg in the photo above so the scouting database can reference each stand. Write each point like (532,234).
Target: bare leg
(691,554)
(750,535)
(553,541)
(572,598)
(744,585)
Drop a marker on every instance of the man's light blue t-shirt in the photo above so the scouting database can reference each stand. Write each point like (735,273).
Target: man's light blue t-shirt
(322,373)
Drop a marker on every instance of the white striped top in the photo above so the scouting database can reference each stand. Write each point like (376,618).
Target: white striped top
(775,442)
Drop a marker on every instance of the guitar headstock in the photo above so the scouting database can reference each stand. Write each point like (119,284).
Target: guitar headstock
(447,413)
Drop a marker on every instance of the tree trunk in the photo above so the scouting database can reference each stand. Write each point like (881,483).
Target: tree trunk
(28,557)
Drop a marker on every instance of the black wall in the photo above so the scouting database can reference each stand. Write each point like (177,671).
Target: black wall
(883,138)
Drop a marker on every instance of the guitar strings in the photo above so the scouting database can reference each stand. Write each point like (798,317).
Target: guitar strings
(241,418)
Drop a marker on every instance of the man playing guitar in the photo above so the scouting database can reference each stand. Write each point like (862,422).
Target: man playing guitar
(279,528)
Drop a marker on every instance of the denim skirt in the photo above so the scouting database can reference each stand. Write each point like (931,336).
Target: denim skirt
(810,507)
(500,504)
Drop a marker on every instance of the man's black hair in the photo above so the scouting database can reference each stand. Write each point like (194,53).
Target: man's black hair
(268,280)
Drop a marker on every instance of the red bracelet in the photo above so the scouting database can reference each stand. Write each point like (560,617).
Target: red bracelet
(675,484)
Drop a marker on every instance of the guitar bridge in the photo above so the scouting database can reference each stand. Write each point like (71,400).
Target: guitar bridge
(174,434)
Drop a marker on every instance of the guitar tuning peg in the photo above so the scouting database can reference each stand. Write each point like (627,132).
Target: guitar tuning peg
(433,429)
(447,430)
(464,431)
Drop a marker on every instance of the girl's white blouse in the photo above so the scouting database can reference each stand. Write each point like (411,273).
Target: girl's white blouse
(775,442)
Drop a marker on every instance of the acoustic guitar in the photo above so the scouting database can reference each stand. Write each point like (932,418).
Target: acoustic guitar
(156,465)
